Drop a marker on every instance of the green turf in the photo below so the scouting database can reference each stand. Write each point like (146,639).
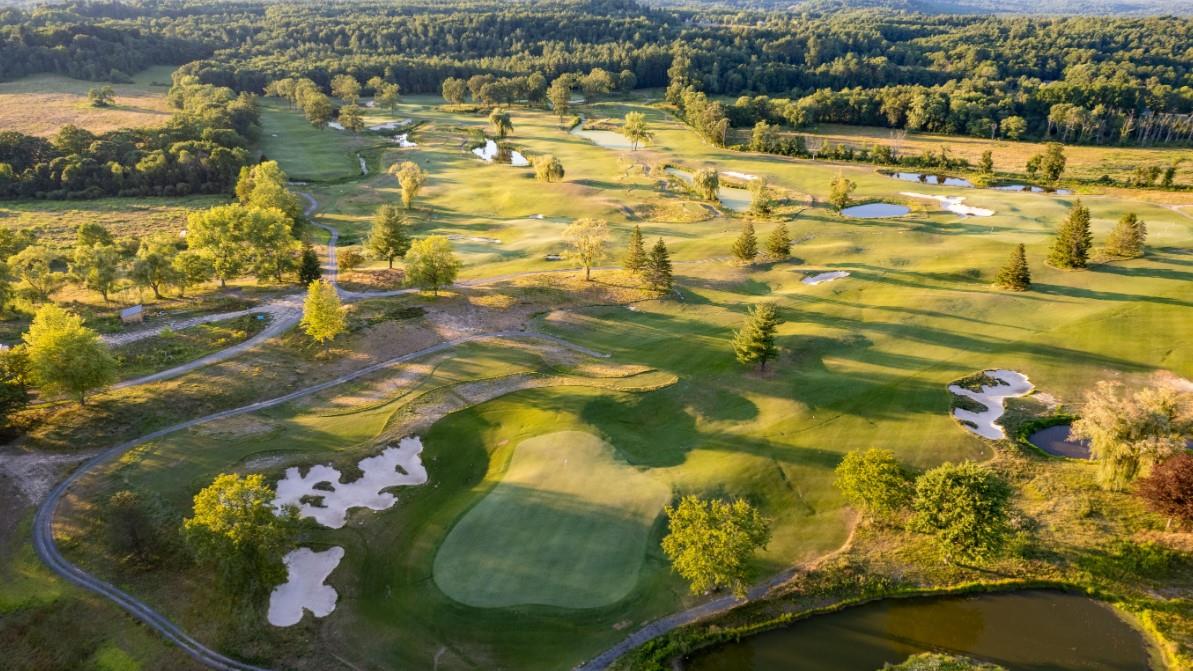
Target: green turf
(566,526)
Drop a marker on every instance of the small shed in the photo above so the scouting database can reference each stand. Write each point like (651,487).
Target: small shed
(133,315)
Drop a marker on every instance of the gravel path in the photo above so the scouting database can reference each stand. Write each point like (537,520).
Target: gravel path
(43,524)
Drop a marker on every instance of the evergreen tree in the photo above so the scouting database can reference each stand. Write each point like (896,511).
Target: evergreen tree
(778,243)
(745,248)
(1015,276)
(635,256)
(755,342)
(1128,237)
(658,267)
(1073,240)
(309,269)
(388,238)
(762,201)
(323,316)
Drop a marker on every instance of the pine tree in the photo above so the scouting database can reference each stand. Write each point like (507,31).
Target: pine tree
(1128,237)
(323,317)
(635,256)
(389,237)
(658,267)
(1073,240)
(778,243)
(308,268)
(745,248)
(755,342)
(1015,276)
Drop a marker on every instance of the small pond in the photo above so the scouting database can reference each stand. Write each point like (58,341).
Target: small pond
(875,211)
(1024,631)
(1055,441)
(1032,189)
(938,180)
(492,151)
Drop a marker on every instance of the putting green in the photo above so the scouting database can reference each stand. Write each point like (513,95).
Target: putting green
(567,526)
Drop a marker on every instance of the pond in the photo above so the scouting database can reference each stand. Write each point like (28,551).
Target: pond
(938,180)
(731,198)
(875,211)
(1055,441)
(492,151)
(1024,631)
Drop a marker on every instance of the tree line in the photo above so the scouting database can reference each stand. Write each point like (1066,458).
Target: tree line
(201,149)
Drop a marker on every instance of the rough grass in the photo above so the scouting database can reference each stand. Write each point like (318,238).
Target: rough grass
(172,348)
(42,104)
(566,525)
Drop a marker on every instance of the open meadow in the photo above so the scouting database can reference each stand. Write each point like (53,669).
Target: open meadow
(42,104)
(534,542)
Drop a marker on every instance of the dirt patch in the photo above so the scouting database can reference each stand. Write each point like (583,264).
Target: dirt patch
(384,279)
(33,474)
(236,427)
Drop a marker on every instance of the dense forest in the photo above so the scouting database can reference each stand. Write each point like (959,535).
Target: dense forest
(1080,80)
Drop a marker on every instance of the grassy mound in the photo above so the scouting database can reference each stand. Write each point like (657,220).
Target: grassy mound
(567,526)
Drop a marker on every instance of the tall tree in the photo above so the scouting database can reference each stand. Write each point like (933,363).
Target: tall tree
(65,356)
(986,165)
(1073,240)
(352,118)
(387,95)
(875,482)
(778,243)
(454,90)
(34,265)
(154,264)
(1168,489)
(1129,432)
(841,191)
(710,541)
(389,238)
(410,180)
(635,129)
(965,507)
(309,268)
(499,121)
(745,247)
(588,238)
(762,200)
(1015,276)
(431,264)
(560,95)
(635,255)
(1050,164)
(755,341)
(323,316)
(191,268)
(658,267)
(264,186)
(97,267)
(1128,237)
(707,183)
(235,527)
(346,88)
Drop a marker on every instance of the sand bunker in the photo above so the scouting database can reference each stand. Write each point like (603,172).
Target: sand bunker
(739,175)
(1013,384)
(399,466)
(390,125)
(491,151)
(335,124)
(403,140)
(954,204)
(304,588)
(825,277)
(474,238)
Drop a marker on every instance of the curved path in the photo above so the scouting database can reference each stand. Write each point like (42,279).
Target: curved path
(43,523)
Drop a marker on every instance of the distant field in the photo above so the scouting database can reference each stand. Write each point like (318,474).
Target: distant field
(41,104)
(1085,162)
(124,217)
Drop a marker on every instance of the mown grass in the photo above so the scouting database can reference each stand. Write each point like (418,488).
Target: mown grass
(43,104)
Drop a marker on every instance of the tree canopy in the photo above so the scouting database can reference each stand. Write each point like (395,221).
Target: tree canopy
(710,541)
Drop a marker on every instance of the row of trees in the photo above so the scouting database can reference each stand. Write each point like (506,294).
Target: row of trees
(201,149)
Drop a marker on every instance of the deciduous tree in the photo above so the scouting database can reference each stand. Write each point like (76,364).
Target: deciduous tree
(1168,489)
(346,88)
(65,356)
(841,191)
(410,180)
(965,507)
(154,264)
(454,90)
(499,121)
(589,239)
(97,267)
(431,264)
(560,95)
(191,268)
(874,482)
(351,118)
(710,541)
(34,265)
(635,129)
(323,316)
(547,168)
(707,183)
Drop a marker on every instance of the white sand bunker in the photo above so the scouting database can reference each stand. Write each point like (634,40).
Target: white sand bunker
(1013,384)
(304,588)
(403,140)
(954,204)
(335,124)
(474,238)
(394,467)
(739,175)
(390,125)
(825,277)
